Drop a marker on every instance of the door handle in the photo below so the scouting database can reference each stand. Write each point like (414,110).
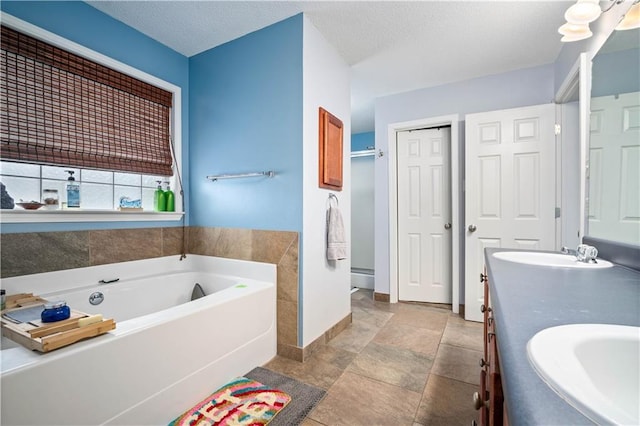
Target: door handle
(447,226)
(472,228)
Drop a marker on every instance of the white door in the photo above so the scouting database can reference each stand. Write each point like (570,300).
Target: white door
(509,190)
(614,162)
(424,215)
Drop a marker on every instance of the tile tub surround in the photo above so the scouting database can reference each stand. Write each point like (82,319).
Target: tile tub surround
(36,252)
(30,253)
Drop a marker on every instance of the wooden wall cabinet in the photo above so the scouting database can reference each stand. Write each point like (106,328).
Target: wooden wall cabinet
(330,151)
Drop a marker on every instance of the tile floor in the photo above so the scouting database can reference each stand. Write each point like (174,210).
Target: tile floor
(396,364)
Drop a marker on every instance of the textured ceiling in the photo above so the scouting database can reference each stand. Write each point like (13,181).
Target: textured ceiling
(392,47)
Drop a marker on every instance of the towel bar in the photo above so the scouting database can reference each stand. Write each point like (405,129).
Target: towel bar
(214,178)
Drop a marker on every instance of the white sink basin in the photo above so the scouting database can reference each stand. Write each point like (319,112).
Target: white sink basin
(549,259)
(594,367)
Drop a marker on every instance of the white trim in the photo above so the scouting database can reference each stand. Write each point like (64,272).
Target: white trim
(53,216)
(585,113)
(577,80)
(176,130)
(558,179)
(570,84)
(447,120)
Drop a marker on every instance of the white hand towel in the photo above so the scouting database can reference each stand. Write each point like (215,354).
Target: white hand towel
(336,241)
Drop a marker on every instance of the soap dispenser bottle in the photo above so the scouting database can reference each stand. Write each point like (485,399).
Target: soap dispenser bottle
(159,199)
(170,198)
(73,191)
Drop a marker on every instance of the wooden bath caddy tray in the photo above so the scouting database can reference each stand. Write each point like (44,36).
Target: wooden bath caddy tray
(46,337)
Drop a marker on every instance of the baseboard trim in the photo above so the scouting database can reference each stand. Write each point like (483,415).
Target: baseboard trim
(381,297)
(299,354)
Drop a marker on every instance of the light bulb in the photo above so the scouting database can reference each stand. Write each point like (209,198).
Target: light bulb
(631,20)
(583,12)
(574,32)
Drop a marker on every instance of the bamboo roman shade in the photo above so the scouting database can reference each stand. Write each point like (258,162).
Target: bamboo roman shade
(58,108)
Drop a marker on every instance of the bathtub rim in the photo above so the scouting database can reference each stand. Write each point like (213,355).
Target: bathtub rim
(27,358)
(89,276)
(20,358)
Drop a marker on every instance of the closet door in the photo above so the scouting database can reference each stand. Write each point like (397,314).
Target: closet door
(424,215)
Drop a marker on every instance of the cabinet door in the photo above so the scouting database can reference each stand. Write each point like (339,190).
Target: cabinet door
(485,280)
(484,409)
(495,381)
(330,151)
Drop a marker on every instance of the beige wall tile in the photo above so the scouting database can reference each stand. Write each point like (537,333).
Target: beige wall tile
(234,244)
(121,245)
(172,240)
(270,246)
(288,284)
(287,313)
(31,253)
(203,240)
(290,255)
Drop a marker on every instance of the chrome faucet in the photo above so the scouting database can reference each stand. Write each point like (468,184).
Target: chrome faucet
(584,253)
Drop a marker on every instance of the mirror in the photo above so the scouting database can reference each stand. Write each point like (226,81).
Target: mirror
(613,204)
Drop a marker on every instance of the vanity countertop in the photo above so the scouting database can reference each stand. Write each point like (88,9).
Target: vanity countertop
(526,299)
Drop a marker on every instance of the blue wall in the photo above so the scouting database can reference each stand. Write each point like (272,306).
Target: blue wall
(246,102)
(85,25)
(362,141)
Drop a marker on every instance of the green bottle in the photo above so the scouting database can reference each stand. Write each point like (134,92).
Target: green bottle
(159,199)
(170,198)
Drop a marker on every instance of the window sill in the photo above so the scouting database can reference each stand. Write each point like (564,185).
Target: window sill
(50,216)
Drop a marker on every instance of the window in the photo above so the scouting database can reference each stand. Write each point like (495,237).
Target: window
(106,121)
(99,190)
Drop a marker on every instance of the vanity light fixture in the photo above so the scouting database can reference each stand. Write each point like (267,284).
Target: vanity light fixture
(581,14)
(574,32)
(632,19)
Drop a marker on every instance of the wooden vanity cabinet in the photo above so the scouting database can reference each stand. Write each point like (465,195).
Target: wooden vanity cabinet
(489,400)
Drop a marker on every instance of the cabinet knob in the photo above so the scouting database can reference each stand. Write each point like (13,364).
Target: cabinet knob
(490,335)
(483,277)
(478,402)
(484,308)
(483,362)
(472,228)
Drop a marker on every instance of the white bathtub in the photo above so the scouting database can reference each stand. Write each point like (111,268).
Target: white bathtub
(166,352)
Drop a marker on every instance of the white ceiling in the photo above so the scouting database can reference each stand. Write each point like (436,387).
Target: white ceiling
(391,46)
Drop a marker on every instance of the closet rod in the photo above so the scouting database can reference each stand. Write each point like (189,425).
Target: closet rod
(214,178)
